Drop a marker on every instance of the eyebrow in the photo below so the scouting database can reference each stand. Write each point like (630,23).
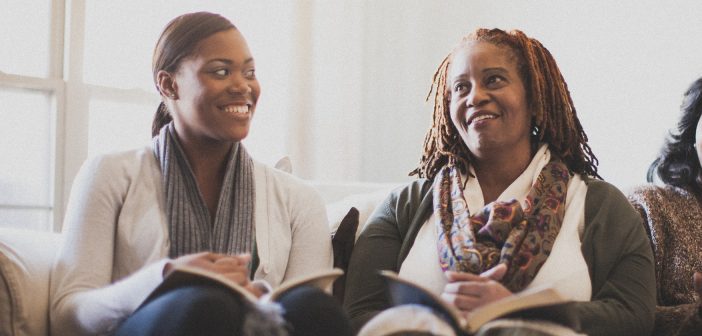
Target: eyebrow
(498,69)
(228,61)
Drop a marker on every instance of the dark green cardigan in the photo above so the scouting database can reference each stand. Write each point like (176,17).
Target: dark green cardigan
(614,244)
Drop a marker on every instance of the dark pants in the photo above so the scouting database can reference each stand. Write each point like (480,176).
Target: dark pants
(205,310)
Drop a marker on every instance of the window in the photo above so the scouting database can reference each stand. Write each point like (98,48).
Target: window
(76,82)
(30,90)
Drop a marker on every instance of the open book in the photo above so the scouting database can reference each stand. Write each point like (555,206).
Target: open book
(183,275)
(403,291)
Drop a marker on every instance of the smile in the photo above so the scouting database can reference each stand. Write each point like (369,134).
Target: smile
(480,116)
(236,109)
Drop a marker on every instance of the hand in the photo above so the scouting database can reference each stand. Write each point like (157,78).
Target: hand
(468,291)
(233,267)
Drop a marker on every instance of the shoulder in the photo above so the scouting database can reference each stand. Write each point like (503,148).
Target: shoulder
(118,167)
(407,202)
(605,203)
(413,192)
(653,195)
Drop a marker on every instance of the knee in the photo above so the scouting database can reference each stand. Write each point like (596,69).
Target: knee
(188,311)
(312,311)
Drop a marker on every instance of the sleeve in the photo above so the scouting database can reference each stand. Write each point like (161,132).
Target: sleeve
(683,319)
(377,248)
(620,261)
(310,248)
(83,299)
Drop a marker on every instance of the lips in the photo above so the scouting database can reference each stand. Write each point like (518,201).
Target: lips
(480,116)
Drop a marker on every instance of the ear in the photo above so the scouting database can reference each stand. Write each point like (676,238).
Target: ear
(167,84)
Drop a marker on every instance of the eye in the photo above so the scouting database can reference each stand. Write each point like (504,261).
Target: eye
(494,80)
(460,87)
(222,72)
(250,74)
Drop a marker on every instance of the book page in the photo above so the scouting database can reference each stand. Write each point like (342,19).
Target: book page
(322,280)
(529,298)
(185,276)
(403,291)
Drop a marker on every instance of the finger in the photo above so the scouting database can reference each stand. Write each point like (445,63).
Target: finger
(237,277)
(496,273)
(245,258)
(462,302)
(462,276)
(470,288)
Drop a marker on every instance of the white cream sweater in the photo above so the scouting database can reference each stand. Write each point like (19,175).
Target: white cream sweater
(116,239)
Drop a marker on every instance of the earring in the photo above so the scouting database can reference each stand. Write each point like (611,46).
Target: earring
(172,96)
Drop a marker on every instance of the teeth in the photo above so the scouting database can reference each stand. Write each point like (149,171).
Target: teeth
(236,109)
(483,117)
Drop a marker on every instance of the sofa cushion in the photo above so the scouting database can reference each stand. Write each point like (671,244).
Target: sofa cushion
(26,258)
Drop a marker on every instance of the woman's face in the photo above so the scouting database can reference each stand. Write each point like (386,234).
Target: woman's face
(216,89)
(488,102)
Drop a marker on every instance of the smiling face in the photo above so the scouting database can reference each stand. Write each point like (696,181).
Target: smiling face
(216,90)
(488,101)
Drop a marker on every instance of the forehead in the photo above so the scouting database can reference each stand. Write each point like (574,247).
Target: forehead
(476,56)
(228,44)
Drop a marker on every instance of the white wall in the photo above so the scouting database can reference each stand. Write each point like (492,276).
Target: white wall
(344,81)
(627,64)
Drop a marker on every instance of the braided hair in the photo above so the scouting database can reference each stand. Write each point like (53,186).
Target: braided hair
(554,118)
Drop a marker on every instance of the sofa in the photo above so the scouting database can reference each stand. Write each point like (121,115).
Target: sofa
(26,256)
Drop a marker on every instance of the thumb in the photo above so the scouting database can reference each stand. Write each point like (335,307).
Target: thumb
(496,273)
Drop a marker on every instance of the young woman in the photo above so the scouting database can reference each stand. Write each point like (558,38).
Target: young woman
(672,216)
(194,197)
(508,198)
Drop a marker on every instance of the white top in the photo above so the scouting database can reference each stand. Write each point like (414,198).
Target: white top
(565,268)
(116,238)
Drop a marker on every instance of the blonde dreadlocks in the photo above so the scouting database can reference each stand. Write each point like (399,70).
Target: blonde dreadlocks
(554,117)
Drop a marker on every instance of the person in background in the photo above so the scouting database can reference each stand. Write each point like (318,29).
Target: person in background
(193,197)
(508,197)
(672,215)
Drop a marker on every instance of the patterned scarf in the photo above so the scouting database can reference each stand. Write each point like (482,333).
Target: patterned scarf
(189,221)
(502,232)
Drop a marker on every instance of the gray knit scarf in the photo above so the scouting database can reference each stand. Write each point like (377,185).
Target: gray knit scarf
(189,221)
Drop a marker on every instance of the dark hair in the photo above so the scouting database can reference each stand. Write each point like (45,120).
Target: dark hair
(555,121)
(678,163)
(179,40)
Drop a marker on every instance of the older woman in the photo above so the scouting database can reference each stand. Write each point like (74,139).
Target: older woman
(673,219)
(508,198)
(194,197)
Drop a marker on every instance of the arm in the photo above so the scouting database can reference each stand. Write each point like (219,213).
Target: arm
(385,242)
(376,249)
(310,248)
(620,261)
(83,298)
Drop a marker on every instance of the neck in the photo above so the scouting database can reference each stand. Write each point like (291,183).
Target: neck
(205,156)
(499,171)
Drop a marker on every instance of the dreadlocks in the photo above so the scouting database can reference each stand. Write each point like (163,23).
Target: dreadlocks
(554,117)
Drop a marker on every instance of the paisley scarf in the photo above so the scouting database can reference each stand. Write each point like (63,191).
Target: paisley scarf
(501,232)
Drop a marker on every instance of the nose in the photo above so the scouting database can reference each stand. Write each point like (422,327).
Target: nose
(477,97)
(239,85)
